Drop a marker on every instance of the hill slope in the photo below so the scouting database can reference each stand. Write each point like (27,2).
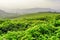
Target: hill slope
(4,14)
(38,26)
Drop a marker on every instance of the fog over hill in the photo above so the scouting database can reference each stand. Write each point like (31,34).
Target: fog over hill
(4,14)
(16,12)
(31,10)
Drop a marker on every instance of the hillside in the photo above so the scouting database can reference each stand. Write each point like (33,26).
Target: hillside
(38,26)
(4,14)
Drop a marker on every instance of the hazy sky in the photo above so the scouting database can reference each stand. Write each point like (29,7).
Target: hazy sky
(23,4)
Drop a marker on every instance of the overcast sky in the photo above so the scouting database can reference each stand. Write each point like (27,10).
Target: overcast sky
(23,4)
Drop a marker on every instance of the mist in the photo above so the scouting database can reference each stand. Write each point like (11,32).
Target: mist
(26,4)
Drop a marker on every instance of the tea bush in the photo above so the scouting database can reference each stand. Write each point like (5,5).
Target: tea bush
(37,27)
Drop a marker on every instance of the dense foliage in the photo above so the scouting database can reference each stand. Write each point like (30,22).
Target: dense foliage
(31,27)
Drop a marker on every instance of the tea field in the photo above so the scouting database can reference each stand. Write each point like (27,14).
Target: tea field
(36,26)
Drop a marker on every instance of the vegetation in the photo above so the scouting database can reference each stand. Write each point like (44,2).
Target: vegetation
(38,26)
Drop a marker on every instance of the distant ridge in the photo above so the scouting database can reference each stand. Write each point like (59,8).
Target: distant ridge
(31,10)
(17,12)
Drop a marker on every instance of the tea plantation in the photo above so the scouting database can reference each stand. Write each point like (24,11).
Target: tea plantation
(38,26)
